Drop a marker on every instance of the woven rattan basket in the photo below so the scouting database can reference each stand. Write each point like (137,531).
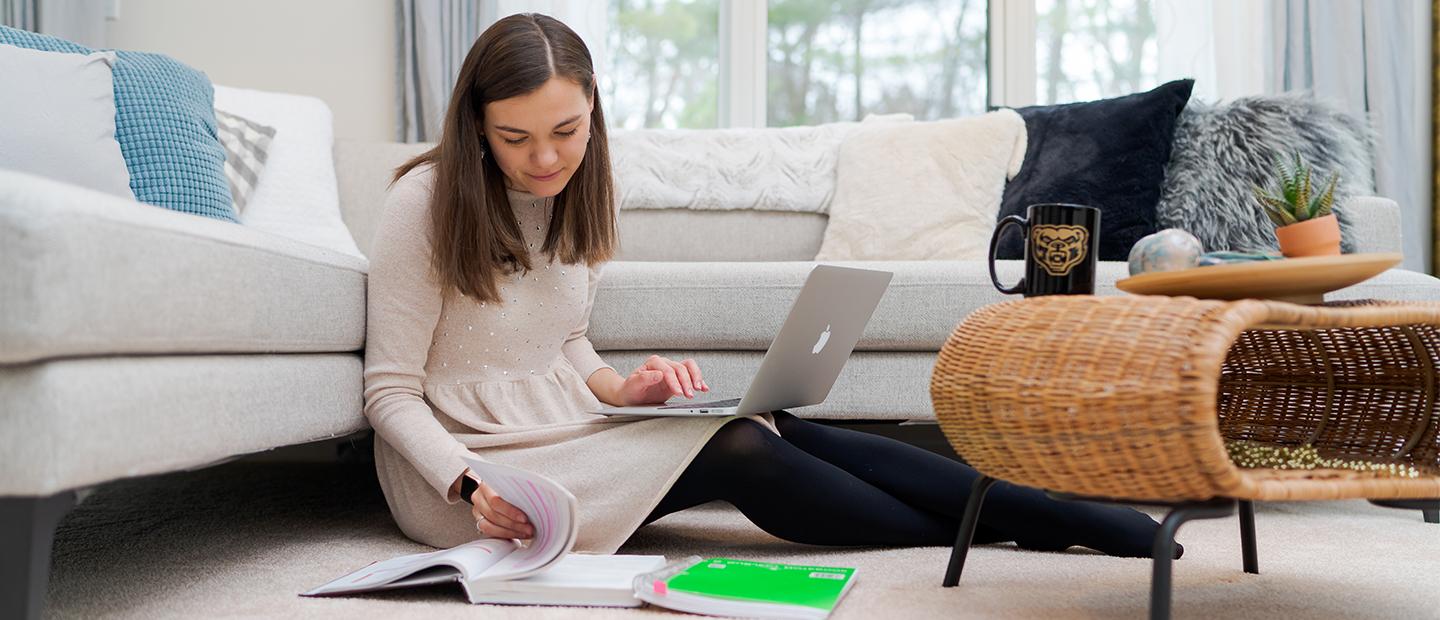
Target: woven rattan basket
(1132,397)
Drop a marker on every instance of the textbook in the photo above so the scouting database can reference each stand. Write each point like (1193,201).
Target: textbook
(541,571)
(745,589)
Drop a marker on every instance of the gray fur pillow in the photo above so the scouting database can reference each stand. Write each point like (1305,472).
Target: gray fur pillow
(1221,150)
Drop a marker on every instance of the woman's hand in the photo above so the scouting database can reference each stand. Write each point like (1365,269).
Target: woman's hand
(659,378)
(497,518)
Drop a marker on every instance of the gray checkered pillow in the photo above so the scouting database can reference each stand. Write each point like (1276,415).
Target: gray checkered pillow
(246,143)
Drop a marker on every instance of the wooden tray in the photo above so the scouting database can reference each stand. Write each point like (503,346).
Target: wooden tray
(1296,280)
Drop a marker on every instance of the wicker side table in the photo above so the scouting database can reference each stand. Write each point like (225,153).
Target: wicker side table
(1132,398)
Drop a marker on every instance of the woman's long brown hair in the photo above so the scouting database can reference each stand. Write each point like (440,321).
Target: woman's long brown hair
(476,237)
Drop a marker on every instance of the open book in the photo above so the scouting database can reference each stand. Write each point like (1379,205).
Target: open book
(541,571)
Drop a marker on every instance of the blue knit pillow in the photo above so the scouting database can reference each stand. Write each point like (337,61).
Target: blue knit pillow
(165,124)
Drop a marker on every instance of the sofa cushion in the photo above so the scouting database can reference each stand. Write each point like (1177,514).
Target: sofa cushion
(740,306)
(1223,151)
(87,273)
(706,235)
(364,168)
(247,146)
(59,112)
(70,423)
(298,197)
(949,174)
(1109,154)
(165,124)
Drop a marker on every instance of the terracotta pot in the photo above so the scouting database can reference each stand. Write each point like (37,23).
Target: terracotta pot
(1314,237)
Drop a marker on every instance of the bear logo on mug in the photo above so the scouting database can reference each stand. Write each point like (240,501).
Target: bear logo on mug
(1059,248)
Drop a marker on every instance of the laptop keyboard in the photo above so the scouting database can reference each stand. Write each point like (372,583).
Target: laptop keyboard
(731,402)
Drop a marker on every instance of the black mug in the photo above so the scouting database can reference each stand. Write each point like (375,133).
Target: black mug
(1061,244)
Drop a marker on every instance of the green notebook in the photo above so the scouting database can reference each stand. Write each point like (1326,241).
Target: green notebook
(729,587)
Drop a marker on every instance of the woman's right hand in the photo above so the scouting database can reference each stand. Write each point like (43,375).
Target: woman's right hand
(498,518)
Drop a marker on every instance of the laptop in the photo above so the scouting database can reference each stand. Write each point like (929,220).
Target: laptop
(807,355)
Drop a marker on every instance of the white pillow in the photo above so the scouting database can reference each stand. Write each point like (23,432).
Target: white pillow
(57,118)
(922,190)
(296,194)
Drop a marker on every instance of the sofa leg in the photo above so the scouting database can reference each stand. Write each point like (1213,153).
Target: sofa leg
(1429,508)
(1248,553)
(1164,550)
(27,531)
(967,530)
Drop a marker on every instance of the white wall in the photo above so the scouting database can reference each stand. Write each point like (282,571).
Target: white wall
(342,51)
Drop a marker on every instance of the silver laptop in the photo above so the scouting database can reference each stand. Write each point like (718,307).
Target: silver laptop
(805,358)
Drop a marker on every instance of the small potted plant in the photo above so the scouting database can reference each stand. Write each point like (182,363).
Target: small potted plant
(1304,223)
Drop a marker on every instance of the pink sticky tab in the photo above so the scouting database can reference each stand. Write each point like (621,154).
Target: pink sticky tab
(660,587)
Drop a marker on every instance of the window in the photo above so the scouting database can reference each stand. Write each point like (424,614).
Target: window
(1091,49)
(664,63)
(751,63)
(924,57)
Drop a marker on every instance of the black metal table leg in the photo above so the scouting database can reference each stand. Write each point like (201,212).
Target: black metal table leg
(1164,550)
(967,530)
(1429,508)
(1247,537)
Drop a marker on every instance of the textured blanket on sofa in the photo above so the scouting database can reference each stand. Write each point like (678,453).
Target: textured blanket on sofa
(771,169)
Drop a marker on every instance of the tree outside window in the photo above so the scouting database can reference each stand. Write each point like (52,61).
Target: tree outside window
(664,63)
(1092,49)
(839,60)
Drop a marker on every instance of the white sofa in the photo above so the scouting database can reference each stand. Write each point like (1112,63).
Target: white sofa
(136,340)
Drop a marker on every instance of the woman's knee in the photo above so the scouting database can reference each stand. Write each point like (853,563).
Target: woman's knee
(742,440)
(784,419)
(419,513)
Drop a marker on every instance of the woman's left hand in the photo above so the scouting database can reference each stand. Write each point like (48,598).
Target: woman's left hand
(659,378)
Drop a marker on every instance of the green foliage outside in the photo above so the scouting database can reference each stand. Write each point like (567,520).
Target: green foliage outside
(839,60)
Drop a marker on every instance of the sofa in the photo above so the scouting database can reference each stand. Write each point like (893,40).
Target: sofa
(136,340)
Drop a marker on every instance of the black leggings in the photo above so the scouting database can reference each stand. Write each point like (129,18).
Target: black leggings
(823,485)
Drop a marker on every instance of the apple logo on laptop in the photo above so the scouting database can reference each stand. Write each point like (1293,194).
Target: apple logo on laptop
(824,338)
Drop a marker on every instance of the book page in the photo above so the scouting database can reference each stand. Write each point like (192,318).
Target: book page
(470,559)
(550,509)
(579,570)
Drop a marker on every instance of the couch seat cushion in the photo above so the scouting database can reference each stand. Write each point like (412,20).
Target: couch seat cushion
(740,306)
(87,273)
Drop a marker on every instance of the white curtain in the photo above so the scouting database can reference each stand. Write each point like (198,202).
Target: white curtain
(1217,42)
(1372,57)
(81,21)
(19,13)
(435,36)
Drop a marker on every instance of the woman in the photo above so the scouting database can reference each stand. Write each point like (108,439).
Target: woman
(489,250)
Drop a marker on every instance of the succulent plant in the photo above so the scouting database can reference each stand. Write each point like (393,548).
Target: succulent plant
(1296,201)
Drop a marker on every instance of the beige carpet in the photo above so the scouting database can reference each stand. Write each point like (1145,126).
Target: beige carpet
(242,539)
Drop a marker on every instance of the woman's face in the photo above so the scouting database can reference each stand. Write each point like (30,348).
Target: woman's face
(538,139)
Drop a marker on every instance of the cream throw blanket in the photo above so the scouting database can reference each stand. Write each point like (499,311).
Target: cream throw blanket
(922,190)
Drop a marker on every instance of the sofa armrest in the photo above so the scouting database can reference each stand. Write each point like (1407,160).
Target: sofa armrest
(88,273)
(1374,224)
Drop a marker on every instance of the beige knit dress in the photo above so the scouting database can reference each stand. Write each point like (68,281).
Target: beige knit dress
(445,373)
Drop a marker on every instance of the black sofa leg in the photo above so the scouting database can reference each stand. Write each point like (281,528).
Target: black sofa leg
(1429,508)
(1247,537)
(1163,552)
(27,531)
(967,530)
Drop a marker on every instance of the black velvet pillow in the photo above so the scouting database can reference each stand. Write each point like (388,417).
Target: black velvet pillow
(1109,154)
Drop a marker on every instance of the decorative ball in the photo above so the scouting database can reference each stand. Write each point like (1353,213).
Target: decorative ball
(1171,249)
